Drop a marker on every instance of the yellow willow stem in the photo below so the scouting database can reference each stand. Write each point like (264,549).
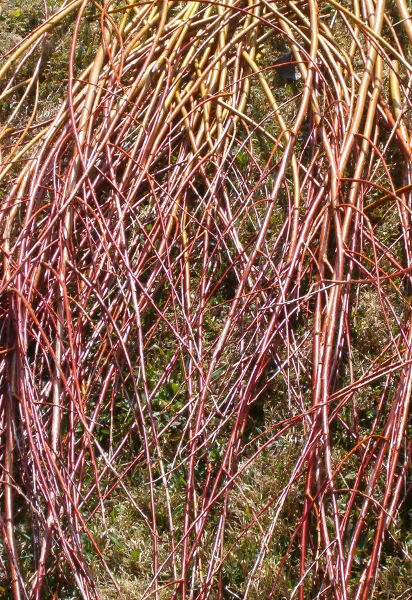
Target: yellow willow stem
(14,89)
(365,147)
(256,127)
(373,33)
(50,24)
(406,18)
(93,85)
(397,103)
(363,90)
(27,127)
(5,169)
(282,124)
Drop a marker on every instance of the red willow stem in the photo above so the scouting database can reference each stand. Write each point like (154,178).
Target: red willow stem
(190,242)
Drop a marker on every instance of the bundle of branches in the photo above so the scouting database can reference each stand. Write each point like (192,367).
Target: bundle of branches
(206,338)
